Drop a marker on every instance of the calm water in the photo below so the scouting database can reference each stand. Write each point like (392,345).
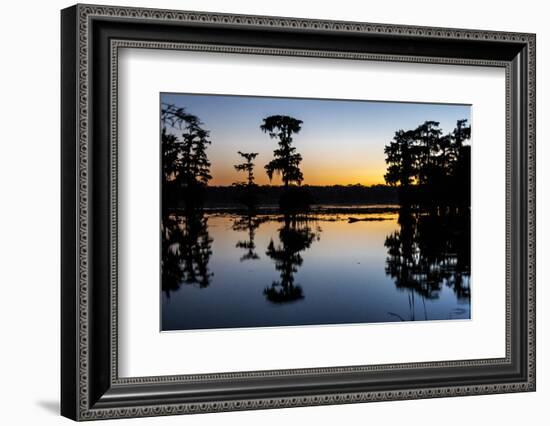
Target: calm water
(227,270)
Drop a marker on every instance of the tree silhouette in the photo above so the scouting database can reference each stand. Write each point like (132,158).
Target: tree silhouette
(427,135)
(287,160)
(430,168)
(462,164)
(247,191)
(461,133)
(447,156)
(184,160)
(247,166)
(401,159)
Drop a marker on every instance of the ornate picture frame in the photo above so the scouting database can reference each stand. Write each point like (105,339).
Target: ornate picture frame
(91,39)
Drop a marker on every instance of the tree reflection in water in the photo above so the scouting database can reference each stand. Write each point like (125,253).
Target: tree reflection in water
(249,223)
(295,236)
(430,250)
(186,250)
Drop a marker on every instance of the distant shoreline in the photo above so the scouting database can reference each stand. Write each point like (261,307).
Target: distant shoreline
(227,197)
(315,209)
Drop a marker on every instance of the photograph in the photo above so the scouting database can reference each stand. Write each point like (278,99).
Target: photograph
(262,209)
(282,211)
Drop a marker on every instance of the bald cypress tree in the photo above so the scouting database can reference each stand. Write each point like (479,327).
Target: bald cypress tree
(430,168)
(247,190)
(186,168)
(247,166)
(286,161)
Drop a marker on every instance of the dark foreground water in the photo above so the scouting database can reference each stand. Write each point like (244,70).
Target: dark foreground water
(222,270)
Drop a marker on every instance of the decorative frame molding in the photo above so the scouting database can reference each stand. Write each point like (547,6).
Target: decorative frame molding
(91,388)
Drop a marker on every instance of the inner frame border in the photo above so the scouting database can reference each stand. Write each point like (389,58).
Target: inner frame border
(115,47)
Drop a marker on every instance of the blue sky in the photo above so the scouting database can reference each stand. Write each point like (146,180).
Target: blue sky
(341,141)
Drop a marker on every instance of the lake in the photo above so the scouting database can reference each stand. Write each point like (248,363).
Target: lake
(332,266)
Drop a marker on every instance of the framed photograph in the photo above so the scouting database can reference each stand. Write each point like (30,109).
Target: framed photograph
(263,212)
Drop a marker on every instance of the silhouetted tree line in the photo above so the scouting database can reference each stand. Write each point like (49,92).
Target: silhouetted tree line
(185,164)
(186,168)
(430,168)
(268,195)
(426,169)
(426,166)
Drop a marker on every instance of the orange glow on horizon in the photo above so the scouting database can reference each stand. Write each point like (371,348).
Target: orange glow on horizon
(312,176)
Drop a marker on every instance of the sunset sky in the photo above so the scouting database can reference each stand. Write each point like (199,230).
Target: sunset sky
(341,142)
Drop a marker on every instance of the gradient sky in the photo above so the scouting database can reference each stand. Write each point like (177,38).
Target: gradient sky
(341,142)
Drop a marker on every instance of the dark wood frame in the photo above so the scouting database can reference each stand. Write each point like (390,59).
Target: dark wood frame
(90,386)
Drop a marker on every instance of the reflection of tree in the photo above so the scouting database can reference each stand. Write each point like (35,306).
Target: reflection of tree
(249,223)
(186,244)
(295,236)
(430,250)
(432,247)
(186,250)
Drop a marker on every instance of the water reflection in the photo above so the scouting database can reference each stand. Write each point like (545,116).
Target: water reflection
(400,265)
(295,236)
(248,223)
(428,251)
(186,250)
